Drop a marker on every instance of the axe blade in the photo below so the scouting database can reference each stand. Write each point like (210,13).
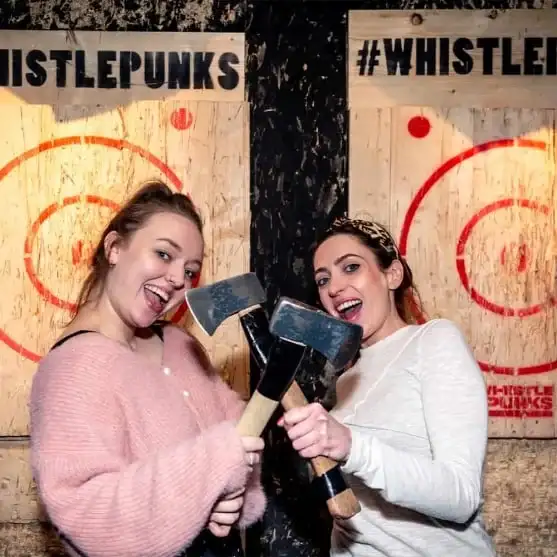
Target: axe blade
(338,340)
(212,304)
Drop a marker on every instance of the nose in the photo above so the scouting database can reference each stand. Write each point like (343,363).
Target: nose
(336,285)
(176,277)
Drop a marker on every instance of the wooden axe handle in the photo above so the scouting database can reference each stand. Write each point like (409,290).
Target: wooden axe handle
(344,504)
(256,415)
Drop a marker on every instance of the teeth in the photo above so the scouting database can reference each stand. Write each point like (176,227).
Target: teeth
(349,304)
(159,292)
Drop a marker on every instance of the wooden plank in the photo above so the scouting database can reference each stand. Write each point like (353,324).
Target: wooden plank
(18,490)
(471,198)
(198,147)
(469,58)
(370,164)
(114,68)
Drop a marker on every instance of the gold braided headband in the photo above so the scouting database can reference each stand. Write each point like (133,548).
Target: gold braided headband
(374,231)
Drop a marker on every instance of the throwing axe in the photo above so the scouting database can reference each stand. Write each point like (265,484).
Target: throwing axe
(295,326)
(329,481)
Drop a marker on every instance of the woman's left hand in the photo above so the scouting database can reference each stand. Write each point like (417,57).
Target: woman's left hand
(313,432)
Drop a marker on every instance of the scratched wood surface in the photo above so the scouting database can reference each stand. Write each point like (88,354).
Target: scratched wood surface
(520,46)
(63,172)
(471,197)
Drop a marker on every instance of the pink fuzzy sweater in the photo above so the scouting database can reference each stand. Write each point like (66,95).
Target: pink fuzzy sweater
(130,457)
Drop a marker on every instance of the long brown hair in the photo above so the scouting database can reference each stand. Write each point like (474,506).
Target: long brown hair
(151,198)
(378,239)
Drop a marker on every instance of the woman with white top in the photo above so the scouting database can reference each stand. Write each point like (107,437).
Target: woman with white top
(410,424)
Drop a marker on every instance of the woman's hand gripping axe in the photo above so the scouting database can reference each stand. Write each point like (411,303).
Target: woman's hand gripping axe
(294,327)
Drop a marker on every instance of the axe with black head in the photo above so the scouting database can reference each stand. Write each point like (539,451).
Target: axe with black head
(329,481)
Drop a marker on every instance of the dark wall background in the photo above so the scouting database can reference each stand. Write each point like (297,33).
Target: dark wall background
(296,81)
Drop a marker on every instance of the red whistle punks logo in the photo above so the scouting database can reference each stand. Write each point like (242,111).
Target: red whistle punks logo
(520,401)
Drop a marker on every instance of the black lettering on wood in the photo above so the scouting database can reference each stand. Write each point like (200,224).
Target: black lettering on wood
(488,45)
(230,78)
(551,56)
(62,57)
(201,64)
(426,54)
(179,70)
(4,67)
(532,66)
(508,67)
(129,62)
(36,76)
(17,67)
(464,63)
(154,69)
(444,55)
(105,78)
(82,80)
(398,55)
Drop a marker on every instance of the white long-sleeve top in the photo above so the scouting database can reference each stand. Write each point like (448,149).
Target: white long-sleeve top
(416,405)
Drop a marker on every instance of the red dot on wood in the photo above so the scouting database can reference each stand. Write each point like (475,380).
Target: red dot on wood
(181,118)
(418,127)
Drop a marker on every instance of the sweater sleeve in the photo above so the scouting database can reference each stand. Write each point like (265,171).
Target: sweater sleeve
(254,498)
(448,484)
(108,507)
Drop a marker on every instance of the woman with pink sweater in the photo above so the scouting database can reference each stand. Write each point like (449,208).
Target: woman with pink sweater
(133,441)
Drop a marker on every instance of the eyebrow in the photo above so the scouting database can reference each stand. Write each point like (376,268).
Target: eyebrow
(171,242)
(176,246)
(339,260)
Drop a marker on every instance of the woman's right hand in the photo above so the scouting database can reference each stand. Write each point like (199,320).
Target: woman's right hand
(253,447)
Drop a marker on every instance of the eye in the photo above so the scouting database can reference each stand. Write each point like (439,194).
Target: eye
(163,255)
(351,267)
(321,281)
(191,275)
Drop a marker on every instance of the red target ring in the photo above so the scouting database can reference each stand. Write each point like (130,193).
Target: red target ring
(118,144)
(461,264)
(416,203)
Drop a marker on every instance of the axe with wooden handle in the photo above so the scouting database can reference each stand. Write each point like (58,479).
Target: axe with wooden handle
(296,325)
(210,306)
(329,481)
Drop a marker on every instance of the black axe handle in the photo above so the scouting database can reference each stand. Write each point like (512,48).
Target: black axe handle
(341,501)
(281,366)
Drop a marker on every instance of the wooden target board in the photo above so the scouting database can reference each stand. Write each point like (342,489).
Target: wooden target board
(77,137)
(466,181)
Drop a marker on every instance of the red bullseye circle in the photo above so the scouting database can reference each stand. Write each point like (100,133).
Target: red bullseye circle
(418,199)
(118,144)
(43,290)
(461,265)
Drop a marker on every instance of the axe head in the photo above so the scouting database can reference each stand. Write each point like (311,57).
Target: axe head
(338,340)
(212,304)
